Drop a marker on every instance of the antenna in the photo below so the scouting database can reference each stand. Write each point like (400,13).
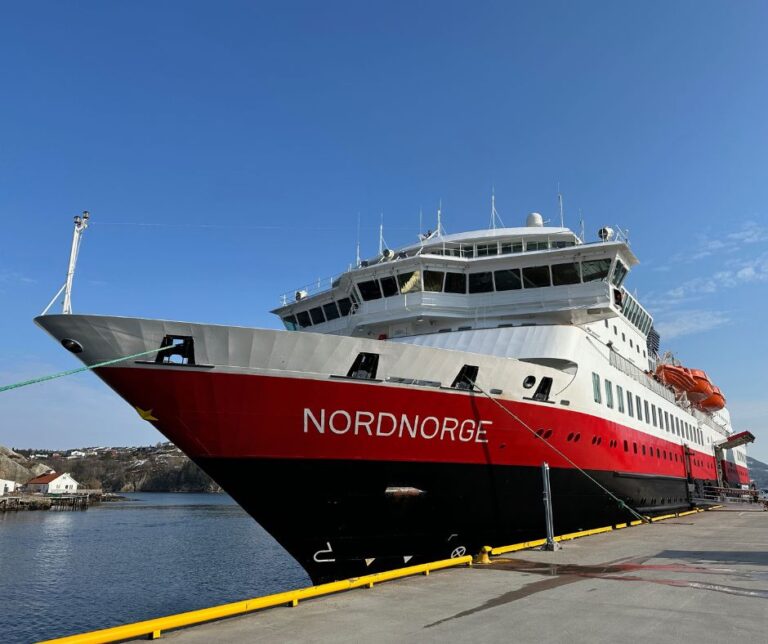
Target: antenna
(381,234)
(560,203)
(357,247)
(440,218)
(581,225)
(494,213)
(421,216)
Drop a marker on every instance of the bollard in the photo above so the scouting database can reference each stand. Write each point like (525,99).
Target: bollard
(551,543)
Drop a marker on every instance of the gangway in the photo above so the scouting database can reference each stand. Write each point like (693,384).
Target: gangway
(742,438)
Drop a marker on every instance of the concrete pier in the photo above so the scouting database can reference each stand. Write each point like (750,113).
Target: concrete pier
(701,578)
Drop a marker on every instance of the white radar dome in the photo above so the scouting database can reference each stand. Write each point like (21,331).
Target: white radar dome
(534,220)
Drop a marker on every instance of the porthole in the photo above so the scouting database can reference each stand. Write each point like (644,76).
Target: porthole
(577,438)
(529,382)
(570,437)
(547,433)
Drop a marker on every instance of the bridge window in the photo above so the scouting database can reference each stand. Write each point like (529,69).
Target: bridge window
(539,245)
(345,305)
(596,388)
(511,247)
(370,290)
(433,281)
(317,315)
(330,310)
(467,250)
(508,279)
(566,273)
(409,282)
(619,273)
(290,322)
(302,317)
(595,270)
(365,366)
(388,286)
(480,282)
(536,277)
(455,283)
(485,250)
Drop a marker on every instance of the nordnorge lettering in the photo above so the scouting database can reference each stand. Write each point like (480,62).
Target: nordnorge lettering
(384,424)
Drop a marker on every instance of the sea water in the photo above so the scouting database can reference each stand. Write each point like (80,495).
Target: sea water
(65,572)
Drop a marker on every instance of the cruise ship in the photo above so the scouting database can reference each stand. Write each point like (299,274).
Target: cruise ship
(404,411)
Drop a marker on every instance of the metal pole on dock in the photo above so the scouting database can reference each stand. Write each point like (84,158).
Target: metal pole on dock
(551,543)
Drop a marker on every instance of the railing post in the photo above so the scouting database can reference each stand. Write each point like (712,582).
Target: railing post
(551,543)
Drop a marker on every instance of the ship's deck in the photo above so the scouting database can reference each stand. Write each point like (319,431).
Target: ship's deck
(702,577)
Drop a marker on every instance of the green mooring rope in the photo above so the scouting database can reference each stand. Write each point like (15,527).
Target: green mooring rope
(622,505)
(61,374)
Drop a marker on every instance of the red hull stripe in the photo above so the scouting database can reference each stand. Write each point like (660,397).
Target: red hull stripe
(223,415)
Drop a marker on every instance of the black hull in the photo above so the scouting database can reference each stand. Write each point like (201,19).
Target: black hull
(340,520)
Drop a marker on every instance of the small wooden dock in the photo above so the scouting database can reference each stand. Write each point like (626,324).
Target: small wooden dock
(76,501)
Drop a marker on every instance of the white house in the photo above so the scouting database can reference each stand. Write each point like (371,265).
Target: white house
(6,486)
(53,483)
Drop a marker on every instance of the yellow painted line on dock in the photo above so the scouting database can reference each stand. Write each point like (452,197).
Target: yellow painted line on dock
(153,628)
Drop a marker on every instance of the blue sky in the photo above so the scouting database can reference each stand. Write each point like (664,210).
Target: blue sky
(226,149)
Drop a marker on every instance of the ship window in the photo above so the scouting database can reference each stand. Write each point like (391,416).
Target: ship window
(653,411)
(609,394)
(303,319)
(508,279)
(370,290)
(511,247)
(433,281)
(630,410)
(542,391)
(619,273)
(643,446)
(467,250)
(666,421)
(595,270)
(330,310)
(485,250)
(345,305)
(365,366)
(647,415)
(620,398)
(529,382)
(565,273)
(388,286)
(409,282)
(480,283)
(677,426)
(182,350)
(455,283)
(639,408)
(540,245)
(536,276)
(290,322)
(317,315)
(596,388)
(626,446)
(631,344)
(466,378)
(634,447)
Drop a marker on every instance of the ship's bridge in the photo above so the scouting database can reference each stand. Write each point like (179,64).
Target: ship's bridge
(476,279)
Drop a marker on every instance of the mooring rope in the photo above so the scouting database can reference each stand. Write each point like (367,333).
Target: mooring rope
(70,372)
(622,504)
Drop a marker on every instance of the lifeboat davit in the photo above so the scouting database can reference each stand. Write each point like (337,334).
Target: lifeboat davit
(703,388)
(715,402)
(677,377)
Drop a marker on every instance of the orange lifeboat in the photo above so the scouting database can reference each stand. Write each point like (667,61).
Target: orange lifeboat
(715,402)
(703,388)
(677,377)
